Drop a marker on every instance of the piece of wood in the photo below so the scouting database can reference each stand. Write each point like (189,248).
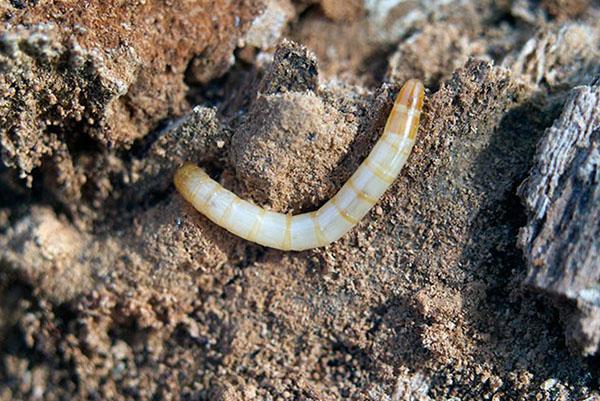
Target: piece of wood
(562,238)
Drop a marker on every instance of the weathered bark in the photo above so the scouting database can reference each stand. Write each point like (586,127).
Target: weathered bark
(562,239)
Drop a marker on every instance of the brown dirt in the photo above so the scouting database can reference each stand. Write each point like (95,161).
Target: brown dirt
(108,71)
(112,287)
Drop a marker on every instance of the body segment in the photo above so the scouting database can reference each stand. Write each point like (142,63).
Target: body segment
(334,218)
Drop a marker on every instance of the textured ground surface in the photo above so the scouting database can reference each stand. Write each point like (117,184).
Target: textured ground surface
(112,287)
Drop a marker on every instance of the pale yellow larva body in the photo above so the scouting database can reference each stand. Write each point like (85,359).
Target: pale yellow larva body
(334,218)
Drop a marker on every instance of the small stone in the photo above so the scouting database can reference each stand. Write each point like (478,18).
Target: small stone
(548,384)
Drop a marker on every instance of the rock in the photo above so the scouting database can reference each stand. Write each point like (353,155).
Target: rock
(271,150)
(267,29)
(343,10)
(565,55)
(225,392)
(566,9)
(293,69)
(392,20)
(562,238)
(43,251)
(448,48)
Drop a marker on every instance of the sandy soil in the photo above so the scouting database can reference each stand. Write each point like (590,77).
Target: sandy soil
(112,287)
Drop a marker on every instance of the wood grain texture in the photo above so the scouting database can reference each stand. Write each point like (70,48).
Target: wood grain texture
(562,194)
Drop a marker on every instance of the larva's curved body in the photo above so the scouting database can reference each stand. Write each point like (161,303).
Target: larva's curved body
(339,214)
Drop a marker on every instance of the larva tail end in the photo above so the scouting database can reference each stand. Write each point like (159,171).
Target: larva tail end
(184,175)
(411,95)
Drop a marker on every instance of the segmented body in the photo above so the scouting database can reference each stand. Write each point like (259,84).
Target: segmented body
(334,218)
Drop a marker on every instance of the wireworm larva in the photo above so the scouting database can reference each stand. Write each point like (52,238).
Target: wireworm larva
(334,218)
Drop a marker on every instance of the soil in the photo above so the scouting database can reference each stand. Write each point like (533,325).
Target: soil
(113,287)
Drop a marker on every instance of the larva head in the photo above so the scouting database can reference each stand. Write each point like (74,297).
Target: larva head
(403,120)
(411,95)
